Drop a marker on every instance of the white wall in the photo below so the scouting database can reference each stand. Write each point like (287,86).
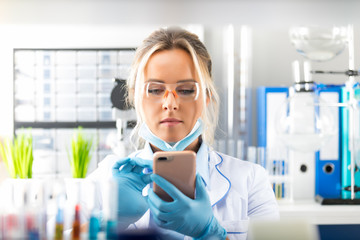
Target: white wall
(84,22)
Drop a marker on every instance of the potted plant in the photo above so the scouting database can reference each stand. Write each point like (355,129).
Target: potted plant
(20,188)
(18,155)
(80,155)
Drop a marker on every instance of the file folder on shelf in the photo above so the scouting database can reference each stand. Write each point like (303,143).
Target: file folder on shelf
(268,102)
(328,158)
(302,163)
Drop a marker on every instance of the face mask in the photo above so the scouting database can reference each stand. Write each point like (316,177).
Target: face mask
(146,133)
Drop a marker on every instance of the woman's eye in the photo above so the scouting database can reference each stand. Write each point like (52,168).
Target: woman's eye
(186,91)
(156,91)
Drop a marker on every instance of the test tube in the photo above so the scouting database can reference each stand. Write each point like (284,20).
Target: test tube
(43,198)
(110,205)
(94,222)
(32,226)
(76,224)
(14,227)
(33,209)
(59,225)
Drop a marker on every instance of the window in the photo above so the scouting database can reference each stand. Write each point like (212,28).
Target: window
(57,90)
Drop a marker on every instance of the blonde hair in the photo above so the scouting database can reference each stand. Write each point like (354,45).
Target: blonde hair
(167,39)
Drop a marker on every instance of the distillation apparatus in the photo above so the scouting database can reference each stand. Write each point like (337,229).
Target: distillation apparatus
(320,44)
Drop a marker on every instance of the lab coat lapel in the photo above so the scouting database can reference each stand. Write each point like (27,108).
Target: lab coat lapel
(219,184)
(146,153)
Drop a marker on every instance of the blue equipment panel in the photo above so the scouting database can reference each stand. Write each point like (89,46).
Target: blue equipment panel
(345,156)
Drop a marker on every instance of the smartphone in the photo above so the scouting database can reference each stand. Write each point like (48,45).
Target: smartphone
(179,168)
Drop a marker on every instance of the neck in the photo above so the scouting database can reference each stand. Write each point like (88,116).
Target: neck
(194,146)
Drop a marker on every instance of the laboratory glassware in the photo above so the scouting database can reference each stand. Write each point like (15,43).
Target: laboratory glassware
(325,44)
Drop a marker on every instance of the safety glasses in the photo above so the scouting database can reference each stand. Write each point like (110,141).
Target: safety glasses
(185,91)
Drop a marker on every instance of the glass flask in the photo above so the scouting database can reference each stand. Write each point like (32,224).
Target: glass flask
(319,43)
(304,121)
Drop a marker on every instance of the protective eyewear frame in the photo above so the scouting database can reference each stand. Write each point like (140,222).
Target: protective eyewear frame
(185,91)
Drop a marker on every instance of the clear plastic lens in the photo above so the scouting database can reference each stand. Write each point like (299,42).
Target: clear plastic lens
(187,91)
(155,90)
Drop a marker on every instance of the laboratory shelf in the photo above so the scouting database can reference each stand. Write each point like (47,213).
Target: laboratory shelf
(314,213)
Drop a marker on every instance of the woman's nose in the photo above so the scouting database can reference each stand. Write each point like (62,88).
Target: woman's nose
(169,101)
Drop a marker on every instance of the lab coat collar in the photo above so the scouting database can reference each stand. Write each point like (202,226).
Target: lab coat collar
(220,184)
(202,163)
(146,153)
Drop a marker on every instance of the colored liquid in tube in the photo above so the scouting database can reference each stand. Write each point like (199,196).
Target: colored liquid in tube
(94,226)
(59,226)
(76,224)
(32,228)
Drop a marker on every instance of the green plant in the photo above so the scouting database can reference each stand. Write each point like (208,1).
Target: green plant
(18,155)
(80,154)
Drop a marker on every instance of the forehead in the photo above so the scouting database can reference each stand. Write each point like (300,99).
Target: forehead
(170,66)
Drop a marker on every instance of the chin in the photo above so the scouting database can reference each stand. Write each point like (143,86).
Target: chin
(168,138)
(171,140)
(171,136)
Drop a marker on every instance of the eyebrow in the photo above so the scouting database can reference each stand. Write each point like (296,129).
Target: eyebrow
(161,81)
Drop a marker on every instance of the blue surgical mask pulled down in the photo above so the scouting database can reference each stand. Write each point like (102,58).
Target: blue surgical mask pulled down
(146,134)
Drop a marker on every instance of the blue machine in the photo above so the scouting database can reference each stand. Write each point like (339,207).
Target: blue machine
(346,174)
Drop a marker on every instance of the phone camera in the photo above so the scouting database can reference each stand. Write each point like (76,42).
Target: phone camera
(162,158)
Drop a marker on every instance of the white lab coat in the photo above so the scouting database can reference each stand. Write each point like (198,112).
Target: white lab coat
(238,191)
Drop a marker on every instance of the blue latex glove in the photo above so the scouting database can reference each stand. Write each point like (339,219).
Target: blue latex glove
(191,217)
(131,181)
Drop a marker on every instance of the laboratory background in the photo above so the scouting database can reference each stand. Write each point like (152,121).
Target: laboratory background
(288,77)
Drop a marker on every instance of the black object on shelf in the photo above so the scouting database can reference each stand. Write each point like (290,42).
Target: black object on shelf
(336,201)
(119,94)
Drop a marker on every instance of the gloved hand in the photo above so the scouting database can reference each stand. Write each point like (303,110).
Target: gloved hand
(128,173)
(191,217)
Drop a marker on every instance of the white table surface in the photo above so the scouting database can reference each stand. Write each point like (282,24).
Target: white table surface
(315,213)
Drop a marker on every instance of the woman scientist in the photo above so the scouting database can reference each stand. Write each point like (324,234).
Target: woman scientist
(176,103)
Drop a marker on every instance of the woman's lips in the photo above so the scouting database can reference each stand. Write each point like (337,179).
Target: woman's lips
(170,122)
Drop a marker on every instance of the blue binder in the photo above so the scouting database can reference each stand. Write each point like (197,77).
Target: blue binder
(345,155)
(262,94)
(269,100)
(328,159)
